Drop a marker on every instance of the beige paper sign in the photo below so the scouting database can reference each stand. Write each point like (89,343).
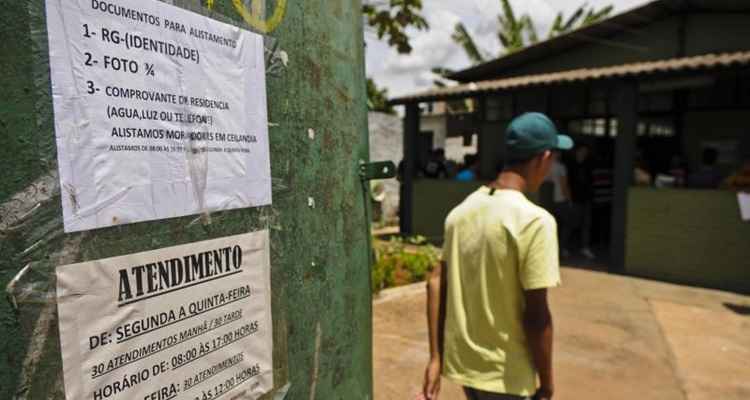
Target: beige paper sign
(190,322)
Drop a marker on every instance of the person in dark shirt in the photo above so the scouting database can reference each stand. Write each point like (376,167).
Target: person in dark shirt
(708,176)
(678,170)
(581,182)
(435,167)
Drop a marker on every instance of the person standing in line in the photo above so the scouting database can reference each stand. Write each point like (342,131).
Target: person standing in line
(581,182)
(678,170)
(708,176)
(490,326)
(435,167)
(562,208)
(470,170)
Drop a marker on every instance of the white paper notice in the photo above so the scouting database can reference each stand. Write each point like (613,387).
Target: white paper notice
(190,322)
(159,112)
(744,201)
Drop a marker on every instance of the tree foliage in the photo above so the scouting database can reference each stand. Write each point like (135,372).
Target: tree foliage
(511,29)
(390,18)
(516,32)
(440,74)
(377,99)
(581,17)
(462,36)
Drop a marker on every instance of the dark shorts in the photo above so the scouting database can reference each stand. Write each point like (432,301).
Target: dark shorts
(475,394)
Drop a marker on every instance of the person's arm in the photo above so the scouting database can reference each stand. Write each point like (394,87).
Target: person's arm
(436,289)
(537,323)
(540,270)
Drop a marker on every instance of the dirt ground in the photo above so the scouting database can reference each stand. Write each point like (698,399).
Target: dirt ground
(615,338)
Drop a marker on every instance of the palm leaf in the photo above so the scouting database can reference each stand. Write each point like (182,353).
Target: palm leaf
(530,29)
(556,25)
(511,29)
(442,71)
(595,16)
(462,36)
(510,16)
(573,19)
(504,40)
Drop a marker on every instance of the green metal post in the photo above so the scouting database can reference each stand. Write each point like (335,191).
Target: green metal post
(409,169)
(625,143)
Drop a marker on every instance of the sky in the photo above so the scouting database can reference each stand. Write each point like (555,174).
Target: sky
(405,74)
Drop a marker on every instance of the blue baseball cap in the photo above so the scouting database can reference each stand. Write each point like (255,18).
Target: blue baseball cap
(533,133)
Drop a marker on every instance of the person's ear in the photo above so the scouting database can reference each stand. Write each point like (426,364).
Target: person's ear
(547,155)
(536,162)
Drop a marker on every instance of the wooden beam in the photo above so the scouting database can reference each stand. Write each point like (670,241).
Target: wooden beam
(408,169)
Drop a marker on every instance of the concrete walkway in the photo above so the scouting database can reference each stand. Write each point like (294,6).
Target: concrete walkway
(615,338)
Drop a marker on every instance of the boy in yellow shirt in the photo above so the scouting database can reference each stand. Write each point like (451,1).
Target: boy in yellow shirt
(489,321)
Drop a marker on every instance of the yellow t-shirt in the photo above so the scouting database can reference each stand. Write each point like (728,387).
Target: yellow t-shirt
(496,246)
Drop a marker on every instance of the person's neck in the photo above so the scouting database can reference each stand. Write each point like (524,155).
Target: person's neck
(510,179)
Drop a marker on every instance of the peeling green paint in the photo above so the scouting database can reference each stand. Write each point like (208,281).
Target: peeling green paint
(319,255)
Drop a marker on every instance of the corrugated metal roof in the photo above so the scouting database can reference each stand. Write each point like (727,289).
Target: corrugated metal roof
(702,62)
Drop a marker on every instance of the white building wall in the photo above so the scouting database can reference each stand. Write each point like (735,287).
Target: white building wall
(437,125)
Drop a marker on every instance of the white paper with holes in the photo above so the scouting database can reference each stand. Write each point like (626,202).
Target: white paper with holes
(159,112)
(186,322)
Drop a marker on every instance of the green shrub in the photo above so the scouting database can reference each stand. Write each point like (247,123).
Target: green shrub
(400,262)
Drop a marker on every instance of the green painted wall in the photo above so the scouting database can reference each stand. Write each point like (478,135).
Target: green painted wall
(691,237)
(319,255)
(20,145)
(433,200)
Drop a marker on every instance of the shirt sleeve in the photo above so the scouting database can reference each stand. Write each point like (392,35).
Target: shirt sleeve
(540,264)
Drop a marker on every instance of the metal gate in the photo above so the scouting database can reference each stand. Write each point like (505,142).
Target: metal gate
(320,248)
